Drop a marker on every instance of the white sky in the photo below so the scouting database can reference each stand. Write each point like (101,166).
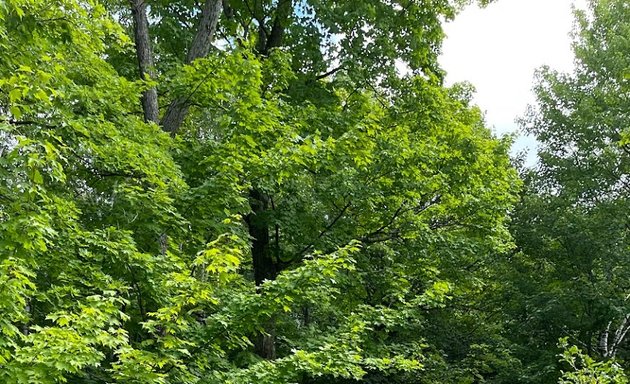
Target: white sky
(498,49)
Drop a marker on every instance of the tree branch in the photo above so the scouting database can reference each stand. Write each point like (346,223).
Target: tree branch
(386,225)
(329,73)
(327,228)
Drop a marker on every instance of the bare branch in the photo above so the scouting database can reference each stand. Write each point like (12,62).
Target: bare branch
(329,73)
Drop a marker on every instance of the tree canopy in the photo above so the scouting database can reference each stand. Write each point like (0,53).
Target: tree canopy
(571,226)
(258,191)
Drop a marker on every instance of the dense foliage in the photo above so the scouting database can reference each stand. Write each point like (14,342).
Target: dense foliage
(284,191)
(571,225)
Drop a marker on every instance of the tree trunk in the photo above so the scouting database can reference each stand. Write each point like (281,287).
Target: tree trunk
(200,47)
(273,39)
(205,31)
(262,258)
(283,13)
(145,58)
(609,347)
(264,265)
(265,344)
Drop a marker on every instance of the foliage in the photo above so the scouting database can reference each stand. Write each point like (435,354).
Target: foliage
(569,277)
(585,370)
(318,216)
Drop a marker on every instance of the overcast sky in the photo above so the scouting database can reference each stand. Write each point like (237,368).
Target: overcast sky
(498,48)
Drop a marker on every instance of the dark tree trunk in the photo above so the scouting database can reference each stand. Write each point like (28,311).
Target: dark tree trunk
(274,38)
(200,47)
(283,13)
(145,58)
(265,344)
(264,264)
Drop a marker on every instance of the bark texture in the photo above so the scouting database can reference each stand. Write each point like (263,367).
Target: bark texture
(144,54)
(200,47)
(609,343)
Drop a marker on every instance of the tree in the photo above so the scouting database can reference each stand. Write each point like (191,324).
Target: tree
(287,224)
(569,225)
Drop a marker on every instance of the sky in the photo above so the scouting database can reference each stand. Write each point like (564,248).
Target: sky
(498,49)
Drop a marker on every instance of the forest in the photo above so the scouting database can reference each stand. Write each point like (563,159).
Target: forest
(286,192)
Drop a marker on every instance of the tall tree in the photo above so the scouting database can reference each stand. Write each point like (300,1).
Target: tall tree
(570,225)
(131,254)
